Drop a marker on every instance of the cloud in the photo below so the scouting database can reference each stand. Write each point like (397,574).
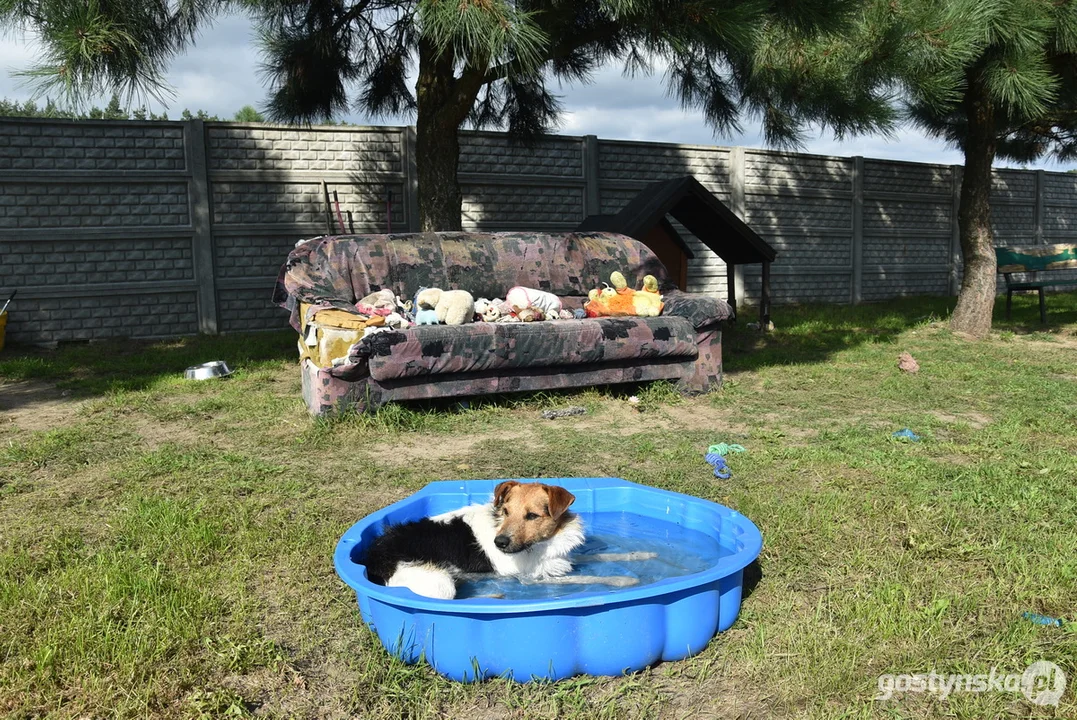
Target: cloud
(220,74)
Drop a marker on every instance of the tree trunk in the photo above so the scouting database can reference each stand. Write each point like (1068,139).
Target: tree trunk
(976,301)
(443,106)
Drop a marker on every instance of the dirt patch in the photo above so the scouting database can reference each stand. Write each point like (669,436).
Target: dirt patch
(701,415)
(31,405)
(613,418)
(1057,340)
(621,418)
(973,419)
(782,423)
(155,434)
(452,447)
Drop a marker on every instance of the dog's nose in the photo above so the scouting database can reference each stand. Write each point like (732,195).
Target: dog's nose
(502,541)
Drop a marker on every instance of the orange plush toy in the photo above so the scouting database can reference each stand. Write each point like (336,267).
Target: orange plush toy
(622,301)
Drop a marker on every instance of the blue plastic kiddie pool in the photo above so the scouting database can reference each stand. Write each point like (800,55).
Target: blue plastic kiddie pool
(593,630)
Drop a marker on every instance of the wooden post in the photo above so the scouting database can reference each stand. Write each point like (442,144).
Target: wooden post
(738,204)
(764,299)
(731,288)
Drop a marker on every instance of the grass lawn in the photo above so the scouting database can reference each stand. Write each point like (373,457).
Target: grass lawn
(165,546)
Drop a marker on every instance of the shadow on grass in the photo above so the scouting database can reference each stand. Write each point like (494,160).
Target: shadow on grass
(803,334)
(814,333)
(88,370)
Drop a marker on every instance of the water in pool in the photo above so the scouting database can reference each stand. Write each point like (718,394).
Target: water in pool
(680,551)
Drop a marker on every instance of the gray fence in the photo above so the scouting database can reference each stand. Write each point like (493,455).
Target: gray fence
(147,229)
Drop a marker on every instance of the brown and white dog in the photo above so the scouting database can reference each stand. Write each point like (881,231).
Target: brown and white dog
(526,531)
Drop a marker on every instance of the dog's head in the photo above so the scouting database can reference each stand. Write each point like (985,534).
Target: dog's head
(528,513)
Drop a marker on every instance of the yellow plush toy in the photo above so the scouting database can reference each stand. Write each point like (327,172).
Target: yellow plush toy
(622,301)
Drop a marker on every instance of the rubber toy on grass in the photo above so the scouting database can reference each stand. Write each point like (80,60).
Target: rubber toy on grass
(906,434)
(715,456)
(1043,619)
(721,470)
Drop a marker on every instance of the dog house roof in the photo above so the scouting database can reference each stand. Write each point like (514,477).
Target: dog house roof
(697,209)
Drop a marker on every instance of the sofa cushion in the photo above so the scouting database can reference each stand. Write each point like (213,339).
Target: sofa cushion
(700,310)
(476,347)
(338,271)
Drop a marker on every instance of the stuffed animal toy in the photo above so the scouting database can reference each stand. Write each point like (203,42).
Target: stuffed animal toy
(427,298)
(579,314)
(529,314)
(622,301)
(564,315)
(396,321)
(487,310)
(380,303)
(425,314)
(453,307)
(522,297)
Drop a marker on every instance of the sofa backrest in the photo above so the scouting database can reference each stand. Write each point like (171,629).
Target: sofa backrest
(340,270)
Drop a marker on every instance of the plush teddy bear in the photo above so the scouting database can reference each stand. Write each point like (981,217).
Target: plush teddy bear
(487,310)
(424,307)
(529,314)
(396,321)
(453,307)
(522,297)
(622,301)
(380,303)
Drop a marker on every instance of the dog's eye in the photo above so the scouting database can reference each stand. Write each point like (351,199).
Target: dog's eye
(530,516)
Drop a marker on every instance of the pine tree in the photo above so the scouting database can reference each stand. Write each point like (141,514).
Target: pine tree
(1000,81)
(249,114)
(489,63)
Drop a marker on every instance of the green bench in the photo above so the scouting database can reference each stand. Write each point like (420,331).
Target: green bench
(1035,259)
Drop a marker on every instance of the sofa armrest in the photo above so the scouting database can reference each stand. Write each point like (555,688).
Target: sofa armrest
(700,310)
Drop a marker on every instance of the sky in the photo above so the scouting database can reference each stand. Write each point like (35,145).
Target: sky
(220,74)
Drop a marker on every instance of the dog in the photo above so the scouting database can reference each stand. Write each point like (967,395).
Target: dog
(526,531)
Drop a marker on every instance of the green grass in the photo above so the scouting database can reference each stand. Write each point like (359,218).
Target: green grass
(165,546)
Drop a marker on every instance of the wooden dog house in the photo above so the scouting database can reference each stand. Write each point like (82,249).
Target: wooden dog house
(646,218)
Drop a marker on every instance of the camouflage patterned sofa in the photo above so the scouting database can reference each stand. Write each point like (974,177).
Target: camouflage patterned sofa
(327,275)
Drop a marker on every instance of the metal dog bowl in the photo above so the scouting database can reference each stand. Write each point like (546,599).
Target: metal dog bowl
(208,371)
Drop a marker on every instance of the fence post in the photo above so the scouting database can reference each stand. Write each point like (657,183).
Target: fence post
(205,271)
(1040,182)
(591,201)
(411,180)
(857,295)
(738,204)
(956,172)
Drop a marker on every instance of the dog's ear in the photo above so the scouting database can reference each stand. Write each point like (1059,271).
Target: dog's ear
(560,499)
(502,491)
